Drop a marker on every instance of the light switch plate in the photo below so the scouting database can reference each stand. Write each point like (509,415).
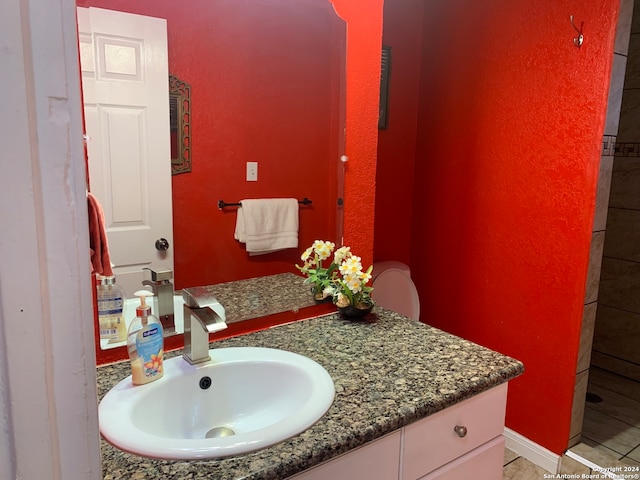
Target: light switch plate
(252,171)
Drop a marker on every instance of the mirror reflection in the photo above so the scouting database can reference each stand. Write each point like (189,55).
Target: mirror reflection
(180,125)
(267,86)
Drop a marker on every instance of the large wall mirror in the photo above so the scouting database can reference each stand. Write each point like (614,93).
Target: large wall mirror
(267,85)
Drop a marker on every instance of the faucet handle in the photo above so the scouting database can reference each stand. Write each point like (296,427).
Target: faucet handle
(198,297)
(160,275)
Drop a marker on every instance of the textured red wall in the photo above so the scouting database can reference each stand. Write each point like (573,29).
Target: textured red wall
(252,66)
(509,137)
(364,19)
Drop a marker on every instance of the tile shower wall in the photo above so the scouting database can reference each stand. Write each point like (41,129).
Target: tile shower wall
(599,267)
(617,329)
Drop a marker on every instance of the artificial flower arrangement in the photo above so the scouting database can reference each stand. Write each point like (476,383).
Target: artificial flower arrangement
(343,280)
(318,276)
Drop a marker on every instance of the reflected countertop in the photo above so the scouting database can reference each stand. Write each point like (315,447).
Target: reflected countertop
(388,371)
(262,296)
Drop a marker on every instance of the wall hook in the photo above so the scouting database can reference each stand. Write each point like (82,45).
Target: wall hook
(577,41)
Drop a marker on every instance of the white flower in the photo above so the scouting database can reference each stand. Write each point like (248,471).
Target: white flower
(353,283)
(341,254)
(351,266)
(328,291)
(365,277)
(306,254)
(323,249)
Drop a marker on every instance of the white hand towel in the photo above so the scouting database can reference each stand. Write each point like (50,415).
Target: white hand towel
(267,225)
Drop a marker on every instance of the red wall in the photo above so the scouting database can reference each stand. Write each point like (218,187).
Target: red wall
(364,33)
(252,66)
(509,132)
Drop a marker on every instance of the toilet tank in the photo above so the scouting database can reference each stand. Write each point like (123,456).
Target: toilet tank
(394,290)
(380,267)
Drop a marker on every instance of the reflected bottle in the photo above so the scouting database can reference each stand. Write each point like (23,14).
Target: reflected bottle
(110,310)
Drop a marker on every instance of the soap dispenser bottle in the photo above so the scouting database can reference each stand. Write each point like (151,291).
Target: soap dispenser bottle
(145,343)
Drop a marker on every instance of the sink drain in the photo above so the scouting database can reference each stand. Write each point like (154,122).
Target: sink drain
(205,382)
(219,432)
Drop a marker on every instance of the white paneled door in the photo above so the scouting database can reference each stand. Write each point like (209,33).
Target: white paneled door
(126,105)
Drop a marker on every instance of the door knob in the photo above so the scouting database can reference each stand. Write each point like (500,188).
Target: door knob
(162,244)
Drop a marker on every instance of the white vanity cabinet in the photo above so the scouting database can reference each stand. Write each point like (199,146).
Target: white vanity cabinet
(376,460)
(462,441)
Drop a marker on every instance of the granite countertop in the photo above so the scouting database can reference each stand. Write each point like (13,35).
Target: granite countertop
(388,372)
(246,299)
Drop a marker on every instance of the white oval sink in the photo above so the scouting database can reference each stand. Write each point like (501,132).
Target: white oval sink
(258,396)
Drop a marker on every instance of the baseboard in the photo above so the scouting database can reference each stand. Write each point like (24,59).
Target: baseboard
(533,452)
(597,470)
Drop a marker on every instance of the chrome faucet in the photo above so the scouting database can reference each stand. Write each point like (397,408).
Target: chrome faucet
(197,305)
(162,288)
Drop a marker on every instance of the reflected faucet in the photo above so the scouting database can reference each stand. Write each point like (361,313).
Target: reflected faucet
(162,288)
(197,305)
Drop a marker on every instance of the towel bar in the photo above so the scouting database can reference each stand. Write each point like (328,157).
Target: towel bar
(222,204)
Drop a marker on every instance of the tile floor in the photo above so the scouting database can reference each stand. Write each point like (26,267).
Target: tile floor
(610,434)
(519,468)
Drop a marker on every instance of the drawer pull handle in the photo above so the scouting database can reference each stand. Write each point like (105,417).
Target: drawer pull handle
(460,430)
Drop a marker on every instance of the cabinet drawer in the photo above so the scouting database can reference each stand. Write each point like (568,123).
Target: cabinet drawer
(432,441)
(483,463)
(378,460)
